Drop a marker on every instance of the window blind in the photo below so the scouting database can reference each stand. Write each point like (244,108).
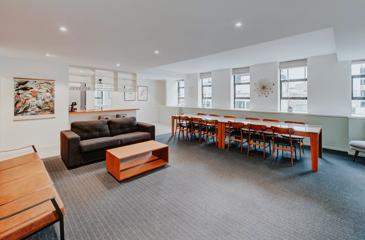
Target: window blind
(206,75)
(293,64)
(243,70)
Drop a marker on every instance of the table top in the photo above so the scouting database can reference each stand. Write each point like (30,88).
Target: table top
(305,128)
(136,149)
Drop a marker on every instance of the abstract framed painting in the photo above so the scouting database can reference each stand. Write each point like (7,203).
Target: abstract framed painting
(33,98)
(142,93)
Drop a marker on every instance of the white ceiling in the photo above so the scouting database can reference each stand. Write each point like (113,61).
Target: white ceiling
(102,33)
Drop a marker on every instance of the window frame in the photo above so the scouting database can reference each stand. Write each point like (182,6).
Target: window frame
(178,92)
(234,89)
(352,86)
(293,80)
(206,86)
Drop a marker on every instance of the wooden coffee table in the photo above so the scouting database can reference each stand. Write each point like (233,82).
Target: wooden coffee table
(128,161)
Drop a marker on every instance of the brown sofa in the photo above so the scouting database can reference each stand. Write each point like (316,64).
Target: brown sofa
(87,141)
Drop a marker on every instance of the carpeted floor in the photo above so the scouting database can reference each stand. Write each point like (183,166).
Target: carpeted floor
(207,193)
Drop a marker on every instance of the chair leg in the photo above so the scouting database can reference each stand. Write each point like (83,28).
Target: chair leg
(291,155)
(355,155)
(264,151)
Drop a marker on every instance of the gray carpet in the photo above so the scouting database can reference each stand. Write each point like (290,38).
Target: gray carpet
(208,193)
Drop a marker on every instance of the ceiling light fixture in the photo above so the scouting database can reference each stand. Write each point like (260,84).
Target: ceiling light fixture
(63,29)
(157,52)
(238,24)
(50,55)
(118,64)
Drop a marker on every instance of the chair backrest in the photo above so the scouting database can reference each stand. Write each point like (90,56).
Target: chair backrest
(258,128)
(210,121)
(294,122)
(196,119)
(228,116)
(201,114)
(214,115)
(182,119)
(270,120)
(253,118)
(236,125)
(286,131)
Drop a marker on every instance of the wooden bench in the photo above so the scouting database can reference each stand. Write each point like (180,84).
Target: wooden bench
(29,201)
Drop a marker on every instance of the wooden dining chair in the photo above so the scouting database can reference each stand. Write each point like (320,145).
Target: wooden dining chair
(271,120)
(235,133)
(257,137)
(299,139)
(253,118)
(196,124)
(201,114)
(183,125)
(230,117)
(286,143)
(209,129)
(214,115)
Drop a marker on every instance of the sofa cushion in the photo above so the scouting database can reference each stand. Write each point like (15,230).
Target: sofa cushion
(91,129)
(122,125)
(98,144)
(133,137)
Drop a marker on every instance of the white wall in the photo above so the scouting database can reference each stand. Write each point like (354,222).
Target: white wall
(171,93)
(221,88)
(43,133)
(329,85)
(264,73)
(149,110)
(192,90)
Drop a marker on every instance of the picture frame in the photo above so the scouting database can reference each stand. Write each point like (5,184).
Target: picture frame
(142,93)
(129,94)
(34,98)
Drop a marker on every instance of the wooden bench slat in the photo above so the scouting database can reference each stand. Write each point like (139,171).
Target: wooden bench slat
(21,171)
(18,188)
(17,161)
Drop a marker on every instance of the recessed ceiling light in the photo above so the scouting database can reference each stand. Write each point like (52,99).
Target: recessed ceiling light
(238,24)
(63,29)
(50,55)
(118,64)
(157,52)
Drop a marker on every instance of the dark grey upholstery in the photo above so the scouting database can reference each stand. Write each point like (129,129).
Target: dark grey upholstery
(133,137)
(122,125)
(98,143)
(91,129)
(87,141)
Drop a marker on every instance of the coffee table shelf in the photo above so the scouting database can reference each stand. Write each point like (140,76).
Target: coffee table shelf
(128,161)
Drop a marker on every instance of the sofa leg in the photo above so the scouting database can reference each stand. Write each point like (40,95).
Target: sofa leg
(355,155)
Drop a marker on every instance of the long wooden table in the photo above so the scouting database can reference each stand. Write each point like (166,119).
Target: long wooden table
(313,132)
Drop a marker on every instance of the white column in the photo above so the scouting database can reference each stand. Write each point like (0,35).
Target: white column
(221,88)
(192,90)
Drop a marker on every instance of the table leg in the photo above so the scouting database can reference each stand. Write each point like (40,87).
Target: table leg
(320,145)
(221,135)
(315,146)
(172,125)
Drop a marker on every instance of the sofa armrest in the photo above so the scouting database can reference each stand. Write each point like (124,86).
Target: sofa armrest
(145,127)
(70,148)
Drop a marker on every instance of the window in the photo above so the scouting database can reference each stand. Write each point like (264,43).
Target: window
(293,86)
(358,87)
(241,82)
(180,92)
(206,80)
